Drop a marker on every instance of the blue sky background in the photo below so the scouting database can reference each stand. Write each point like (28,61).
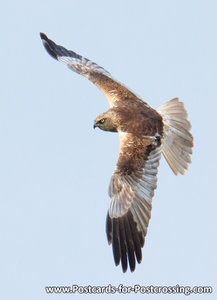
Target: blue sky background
(55,169)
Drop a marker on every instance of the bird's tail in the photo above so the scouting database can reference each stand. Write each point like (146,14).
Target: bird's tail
(177,140)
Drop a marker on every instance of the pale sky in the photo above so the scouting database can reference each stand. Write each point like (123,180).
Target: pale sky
(55,169)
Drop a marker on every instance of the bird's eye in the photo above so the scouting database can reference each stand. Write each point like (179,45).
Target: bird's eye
(101,121)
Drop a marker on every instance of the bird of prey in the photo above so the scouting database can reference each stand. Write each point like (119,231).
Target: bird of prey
(144,134)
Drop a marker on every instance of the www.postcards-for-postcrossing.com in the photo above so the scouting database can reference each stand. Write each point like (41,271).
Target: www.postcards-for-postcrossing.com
(121,289)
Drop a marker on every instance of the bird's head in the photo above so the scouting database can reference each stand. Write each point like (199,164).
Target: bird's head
(106,121)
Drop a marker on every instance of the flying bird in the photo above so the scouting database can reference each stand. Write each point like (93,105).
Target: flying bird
(144,134)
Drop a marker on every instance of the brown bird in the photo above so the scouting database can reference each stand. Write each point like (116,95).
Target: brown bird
(144,134)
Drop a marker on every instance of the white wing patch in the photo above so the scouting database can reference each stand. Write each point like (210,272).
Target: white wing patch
(82,65)
(135,192)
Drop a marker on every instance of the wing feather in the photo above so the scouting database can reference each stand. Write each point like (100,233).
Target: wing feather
(116,241)
(112,89)
(123,245)
(131,191)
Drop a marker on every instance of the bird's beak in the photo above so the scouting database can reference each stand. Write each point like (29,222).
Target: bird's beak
(94,126)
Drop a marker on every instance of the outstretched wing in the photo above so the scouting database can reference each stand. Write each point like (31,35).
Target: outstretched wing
(113,90)
(131,190)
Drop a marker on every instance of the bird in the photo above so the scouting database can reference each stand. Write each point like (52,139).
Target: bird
(145,134)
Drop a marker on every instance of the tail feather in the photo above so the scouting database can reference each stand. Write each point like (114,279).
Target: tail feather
(177,140)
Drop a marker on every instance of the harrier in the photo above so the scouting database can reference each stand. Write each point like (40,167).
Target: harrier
(144,134)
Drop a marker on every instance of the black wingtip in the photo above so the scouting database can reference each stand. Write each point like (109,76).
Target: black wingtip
(49,45)
(43,36)
(109,229)
(127,241)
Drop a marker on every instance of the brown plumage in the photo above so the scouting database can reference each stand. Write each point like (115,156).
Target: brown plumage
(144,134)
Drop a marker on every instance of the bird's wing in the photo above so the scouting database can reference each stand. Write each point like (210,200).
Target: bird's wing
(131,190)
(113,90)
